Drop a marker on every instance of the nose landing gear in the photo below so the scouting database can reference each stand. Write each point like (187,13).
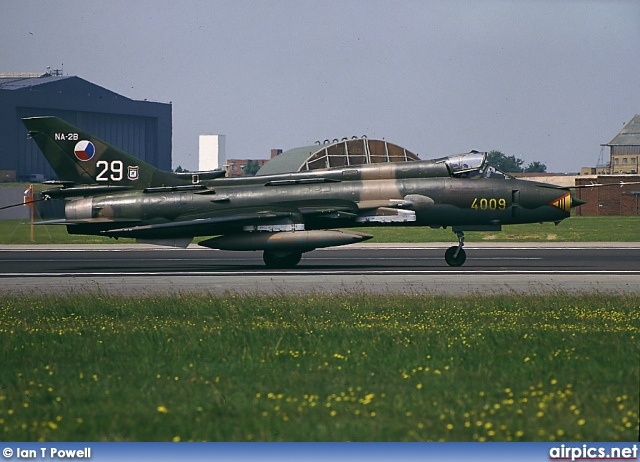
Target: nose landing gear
(455,255)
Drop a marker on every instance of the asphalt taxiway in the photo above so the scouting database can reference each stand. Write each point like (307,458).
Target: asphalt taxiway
(532,268)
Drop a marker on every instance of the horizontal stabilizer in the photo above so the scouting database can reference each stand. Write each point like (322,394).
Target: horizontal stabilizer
(61,221)
(83,191)
(65,184)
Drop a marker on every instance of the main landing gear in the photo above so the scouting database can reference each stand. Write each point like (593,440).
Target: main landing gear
(456,256)
(281,260)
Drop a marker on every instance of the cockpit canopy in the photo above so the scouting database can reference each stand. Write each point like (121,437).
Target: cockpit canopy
(472,164)
(463,163)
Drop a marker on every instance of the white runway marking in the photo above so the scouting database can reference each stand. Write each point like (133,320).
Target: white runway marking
(133,248)
(314,273)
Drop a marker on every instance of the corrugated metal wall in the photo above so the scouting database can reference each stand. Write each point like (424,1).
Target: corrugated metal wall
(140,128)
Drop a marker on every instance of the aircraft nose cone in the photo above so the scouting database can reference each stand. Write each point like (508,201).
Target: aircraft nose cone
(576,202)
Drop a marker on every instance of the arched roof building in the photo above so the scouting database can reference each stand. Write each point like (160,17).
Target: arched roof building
(355,151)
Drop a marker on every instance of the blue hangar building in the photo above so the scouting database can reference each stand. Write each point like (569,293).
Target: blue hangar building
(141,128)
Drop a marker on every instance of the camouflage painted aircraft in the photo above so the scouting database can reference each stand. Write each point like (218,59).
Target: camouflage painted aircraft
(111,193)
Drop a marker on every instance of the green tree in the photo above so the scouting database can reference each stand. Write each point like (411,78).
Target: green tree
(536,167)
(179,169)
(506,164)
(252,167)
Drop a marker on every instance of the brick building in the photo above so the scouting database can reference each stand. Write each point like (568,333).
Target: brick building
(621,173)
(236,167)
(625,149)
(609,200)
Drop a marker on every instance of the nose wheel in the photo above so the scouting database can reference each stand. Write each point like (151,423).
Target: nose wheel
(456,256)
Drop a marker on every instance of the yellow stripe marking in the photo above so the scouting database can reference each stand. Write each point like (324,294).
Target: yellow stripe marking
(563,203)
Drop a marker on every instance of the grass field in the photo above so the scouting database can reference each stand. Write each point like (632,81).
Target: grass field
(19,232)
(575,229)
(319,368)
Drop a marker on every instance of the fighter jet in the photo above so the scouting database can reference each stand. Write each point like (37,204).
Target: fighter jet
(111,193)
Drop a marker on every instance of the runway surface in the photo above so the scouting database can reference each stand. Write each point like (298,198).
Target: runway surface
(374,268)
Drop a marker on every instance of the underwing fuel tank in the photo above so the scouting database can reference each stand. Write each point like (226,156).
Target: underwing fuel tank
(297,240)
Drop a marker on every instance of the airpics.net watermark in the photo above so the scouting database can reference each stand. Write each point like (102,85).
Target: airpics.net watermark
(47,453)
(587,452)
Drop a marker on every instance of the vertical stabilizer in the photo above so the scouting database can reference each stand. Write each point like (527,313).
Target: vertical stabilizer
(81,158)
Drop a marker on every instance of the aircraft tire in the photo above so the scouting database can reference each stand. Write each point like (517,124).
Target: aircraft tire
(449,256)
(281,260)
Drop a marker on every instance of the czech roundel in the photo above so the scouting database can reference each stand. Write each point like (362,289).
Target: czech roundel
(84,150)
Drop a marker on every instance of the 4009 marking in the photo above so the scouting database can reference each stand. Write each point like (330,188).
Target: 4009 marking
(482,203)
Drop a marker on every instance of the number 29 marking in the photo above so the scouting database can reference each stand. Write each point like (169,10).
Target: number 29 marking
(483,203)
(115,170)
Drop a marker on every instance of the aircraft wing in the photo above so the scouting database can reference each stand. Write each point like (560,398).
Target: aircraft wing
(281,216)
(216,224)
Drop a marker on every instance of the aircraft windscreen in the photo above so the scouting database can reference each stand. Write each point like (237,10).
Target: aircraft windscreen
(474,161)
(492,172)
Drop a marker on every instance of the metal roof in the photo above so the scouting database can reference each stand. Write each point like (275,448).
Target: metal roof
(629,135)
(288,161)
(25,80)
(67,84)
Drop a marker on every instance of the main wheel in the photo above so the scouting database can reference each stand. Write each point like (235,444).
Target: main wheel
(451,258)
(281,260)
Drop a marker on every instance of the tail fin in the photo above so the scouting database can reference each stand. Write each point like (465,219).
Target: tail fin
(81,158)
